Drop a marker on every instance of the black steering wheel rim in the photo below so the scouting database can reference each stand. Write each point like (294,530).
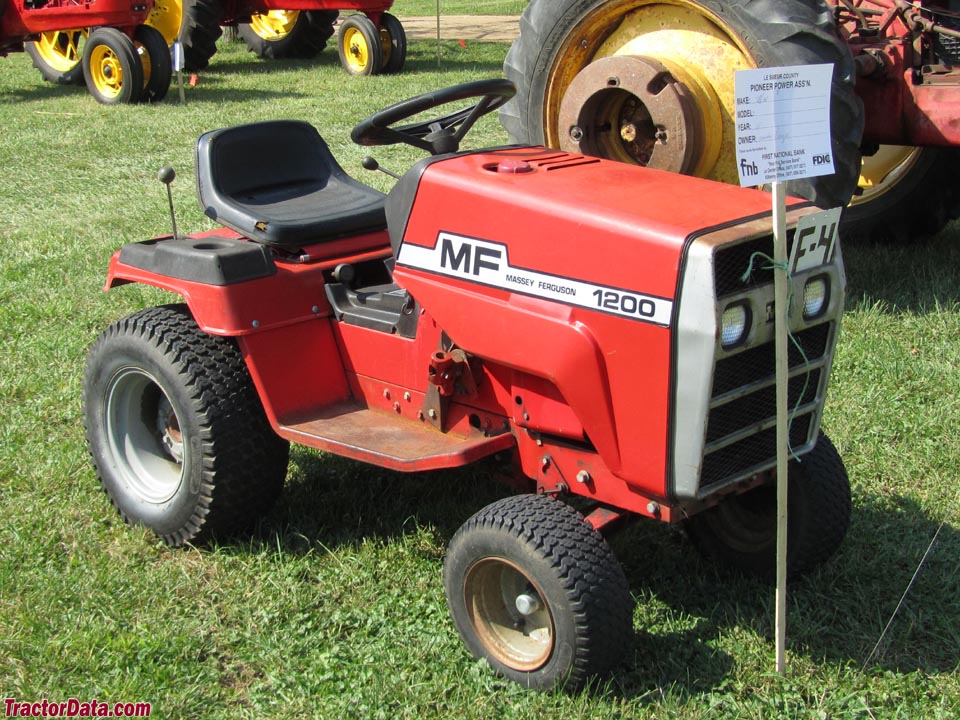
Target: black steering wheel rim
(378,128)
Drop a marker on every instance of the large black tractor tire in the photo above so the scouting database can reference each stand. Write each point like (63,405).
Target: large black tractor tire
(910,193)
(295,35)
(741,532)
(176,430)
(702,43)
(57,55)
(157,65)
(537,592)
(199,32)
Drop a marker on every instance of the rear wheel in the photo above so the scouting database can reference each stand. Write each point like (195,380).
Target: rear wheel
(741,531)
(112,68)
(280,34)
(198,31)
(537,592)
(906,192)
(155,59)
(360,46)
(651,81)
(176,430)
(57,55)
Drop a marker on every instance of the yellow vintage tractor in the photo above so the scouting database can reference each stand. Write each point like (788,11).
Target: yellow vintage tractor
(370,42)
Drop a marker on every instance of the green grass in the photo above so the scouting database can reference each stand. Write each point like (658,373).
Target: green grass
(335,607)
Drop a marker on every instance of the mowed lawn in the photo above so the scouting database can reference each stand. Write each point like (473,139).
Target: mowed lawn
(334,608)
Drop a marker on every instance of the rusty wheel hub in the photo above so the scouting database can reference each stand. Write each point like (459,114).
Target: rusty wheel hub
(632,108)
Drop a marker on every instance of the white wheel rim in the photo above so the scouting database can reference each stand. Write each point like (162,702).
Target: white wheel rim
(142,427)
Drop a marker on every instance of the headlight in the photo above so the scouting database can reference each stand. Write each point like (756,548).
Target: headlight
(734,324)
(816,293)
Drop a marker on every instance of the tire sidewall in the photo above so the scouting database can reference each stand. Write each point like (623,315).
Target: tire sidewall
(482,543)
(107,359)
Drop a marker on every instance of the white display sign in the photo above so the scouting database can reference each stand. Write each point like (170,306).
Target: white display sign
(783,123)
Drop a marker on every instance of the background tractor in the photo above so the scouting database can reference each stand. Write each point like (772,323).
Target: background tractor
(651,82)
(372,41)
(122,59)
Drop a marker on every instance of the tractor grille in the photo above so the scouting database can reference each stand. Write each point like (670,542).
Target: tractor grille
(741,429)
(732,263)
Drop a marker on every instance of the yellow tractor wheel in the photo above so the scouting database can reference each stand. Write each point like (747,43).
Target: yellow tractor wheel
(112,68)
(651,81)
(280,34)
(904,193)
(57,55)
(360,46)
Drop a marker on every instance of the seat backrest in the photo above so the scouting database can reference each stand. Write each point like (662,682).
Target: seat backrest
(278,183)
(242,161)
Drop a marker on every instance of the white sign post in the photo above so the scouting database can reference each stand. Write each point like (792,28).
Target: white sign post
(178,63)
(783,133)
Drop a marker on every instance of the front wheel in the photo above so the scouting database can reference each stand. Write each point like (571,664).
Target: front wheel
(157,64)
(393,38)
(112,67)
(176,430)
(360,46)
(741,531)
(537,592)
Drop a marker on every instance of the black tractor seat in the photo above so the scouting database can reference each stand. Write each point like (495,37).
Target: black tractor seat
(277,182)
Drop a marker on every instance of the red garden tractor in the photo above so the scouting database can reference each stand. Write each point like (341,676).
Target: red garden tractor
(591,323)
(123,60)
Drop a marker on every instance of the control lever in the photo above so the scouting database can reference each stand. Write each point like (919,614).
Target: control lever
(167,176)
(370,163)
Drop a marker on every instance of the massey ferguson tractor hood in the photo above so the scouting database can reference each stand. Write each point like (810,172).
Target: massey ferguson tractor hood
(492,245)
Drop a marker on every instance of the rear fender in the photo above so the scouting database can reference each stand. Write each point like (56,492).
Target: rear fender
(282,323)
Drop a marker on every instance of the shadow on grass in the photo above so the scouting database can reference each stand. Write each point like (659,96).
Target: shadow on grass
(914,276)
(835,614)
(688,610)
(421,58)
(41,92)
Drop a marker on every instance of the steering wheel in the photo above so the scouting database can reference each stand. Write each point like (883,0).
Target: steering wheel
(439,136)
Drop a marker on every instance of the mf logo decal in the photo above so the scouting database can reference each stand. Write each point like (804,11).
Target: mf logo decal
(486,262)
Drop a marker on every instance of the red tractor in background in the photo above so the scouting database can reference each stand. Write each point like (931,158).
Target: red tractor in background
(650,82)
(123,61)
(370,42)
(592,327)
